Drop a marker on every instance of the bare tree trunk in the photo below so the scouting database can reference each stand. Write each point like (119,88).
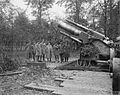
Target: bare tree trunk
(110,4)
(105,18)
(39,12)
(77,11)
(118,18)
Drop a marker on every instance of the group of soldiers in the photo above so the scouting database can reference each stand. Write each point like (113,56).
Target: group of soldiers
(42,51)
(61,51)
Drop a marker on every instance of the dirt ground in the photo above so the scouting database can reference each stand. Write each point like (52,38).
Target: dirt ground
(13,85)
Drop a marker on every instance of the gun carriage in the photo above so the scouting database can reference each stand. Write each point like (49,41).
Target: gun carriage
(86,37)
(106,50)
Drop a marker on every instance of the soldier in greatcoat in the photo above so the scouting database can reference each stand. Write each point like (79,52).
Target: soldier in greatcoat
(56,52)
(34,51)
(30,48)
(43,51)
(49,52)
(61,52)
(38,51)
(66,52)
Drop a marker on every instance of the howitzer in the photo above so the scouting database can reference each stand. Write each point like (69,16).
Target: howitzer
(79,32)
(84,35)
(90,39)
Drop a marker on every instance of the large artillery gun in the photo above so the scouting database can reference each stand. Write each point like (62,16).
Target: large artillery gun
(107,49)
(86,36)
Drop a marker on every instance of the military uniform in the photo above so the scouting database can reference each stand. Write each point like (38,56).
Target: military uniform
(62,52)
(56,52)
(49,50)
(43,46)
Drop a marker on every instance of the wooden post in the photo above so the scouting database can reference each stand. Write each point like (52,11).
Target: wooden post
(116,74)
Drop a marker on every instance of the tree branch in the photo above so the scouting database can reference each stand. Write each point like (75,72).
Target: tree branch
(27,6)
(100,5)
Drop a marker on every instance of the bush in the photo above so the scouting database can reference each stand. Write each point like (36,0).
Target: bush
(9,64)
(89,50)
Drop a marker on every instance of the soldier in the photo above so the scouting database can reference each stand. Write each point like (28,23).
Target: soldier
(40,51)
(37,52)
(43,51)
(61,52)
(56,52)
(66,53)
(34,51)
(30,51)
(49,52)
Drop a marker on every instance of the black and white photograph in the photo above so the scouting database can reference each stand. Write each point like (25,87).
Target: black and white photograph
(59,47)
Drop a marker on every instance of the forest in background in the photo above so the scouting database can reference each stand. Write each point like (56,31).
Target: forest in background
(16,30)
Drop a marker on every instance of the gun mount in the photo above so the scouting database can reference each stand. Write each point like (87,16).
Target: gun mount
(78,32)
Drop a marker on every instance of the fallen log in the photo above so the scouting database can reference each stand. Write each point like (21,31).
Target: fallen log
(41,87)
(11,73)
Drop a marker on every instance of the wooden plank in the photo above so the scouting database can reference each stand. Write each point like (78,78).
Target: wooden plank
(35,63)
(59,79)
(65,90)
(11,73)
(101,61)
(63,79)
(41,87)
(41,64)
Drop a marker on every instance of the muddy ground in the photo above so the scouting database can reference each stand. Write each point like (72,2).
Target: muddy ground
(13,85)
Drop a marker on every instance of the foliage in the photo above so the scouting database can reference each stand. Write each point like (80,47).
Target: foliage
(89,50)
(100,15)
(106,15)
(40,7)
(22,28)
(75,9)
(9,64)
(17,30)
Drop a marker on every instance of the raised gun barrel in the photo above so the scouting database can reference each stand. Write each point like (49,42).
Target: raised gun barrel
(70,30)
(79,31)
(87,30)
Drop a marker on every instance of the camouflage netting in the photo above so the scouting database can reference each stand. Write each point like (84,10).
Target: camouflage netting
(89,50)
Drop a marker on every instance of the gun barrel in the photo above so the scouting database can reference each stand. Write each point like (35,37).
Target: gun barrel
(75,39)
(71,29)
(68,28)
(94,33)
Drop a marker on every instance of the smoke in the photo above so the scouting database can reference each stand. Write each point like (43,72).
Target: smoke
(116,1)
